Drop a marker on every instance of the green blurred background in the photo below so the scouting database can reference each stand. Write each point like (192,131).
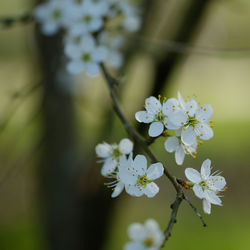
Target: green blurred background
(218,78)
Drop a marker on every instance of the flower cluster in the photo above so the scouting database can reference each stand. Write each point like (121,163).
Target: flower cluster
(143,237)
(87,42)
(133,175)
(189,122)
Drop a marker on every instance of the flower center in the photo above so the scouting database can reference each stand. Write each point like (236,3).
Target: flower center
(192,121)
(116,153)
(159,117)
(77,39)
(86,57)
(143,180)
(57,13)
(87,18)
(148,242)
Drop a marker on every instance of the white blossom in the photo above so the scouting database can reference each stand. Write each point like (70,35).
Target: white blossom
(154,114)
(206,186)
(87,56)
(111,154)
(53,15)
(147,236)
(174,144)
(138,179)
(113,43)
(191,119)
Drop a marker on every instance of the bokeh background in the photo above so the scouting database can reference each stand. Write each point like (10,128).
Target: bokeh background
(215,68)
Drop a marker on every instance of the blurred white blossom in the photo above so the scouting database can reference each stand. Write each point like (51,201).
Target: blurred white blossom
(80,19)
(147,236)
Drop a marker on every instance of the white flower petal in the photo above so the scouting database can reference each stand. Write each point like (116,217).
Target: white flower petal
(95,25)
(206,169)
(193,175)
(109,166)
(134,246)
(100,54)
(204,113)
(118,189)
(152,105)
(103,150)
(180,155)
(198,191)
(140,165)
(155,129)
(219,182)
(206,206)
(204,131)
(126,146)
(137,232)
(134,191)
(169,105)
(191,107)
(151,190)
(144,116)
(168,124)
(178,117)
(75,67)
(92,68)
(181,100)
(171,144)
(151,225)
(155,171)
(212,197)
(188,135)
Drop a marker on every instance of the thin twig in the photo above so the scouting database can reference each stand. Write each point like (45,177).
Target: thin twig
(7,22)
(195,210)
(175,207)
(17,96)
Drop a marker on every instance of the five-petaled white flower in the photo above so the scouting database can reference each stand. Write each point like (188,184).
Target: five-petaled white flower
(191,119)
(53,15)
(154,114)
(206,186)
(144,237)
(138,179)
(174,144)
(111,154)
(86,56)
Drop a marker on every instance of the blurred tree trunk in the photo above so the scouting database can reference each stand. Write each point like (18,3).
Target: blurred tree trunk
(60,169)
(76,206)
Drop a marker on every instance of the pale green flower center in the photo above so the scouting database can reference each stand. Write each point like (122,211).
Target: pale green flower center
(86,57)
(143,180)
(159,117)
(57,13)
(87,18)
(116,153)
(148,242)
(192,121)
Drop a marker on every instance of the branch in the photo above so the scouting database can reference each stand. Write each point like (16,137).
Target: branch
(7,22)
(175,206)
(111,82)
(195,210)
